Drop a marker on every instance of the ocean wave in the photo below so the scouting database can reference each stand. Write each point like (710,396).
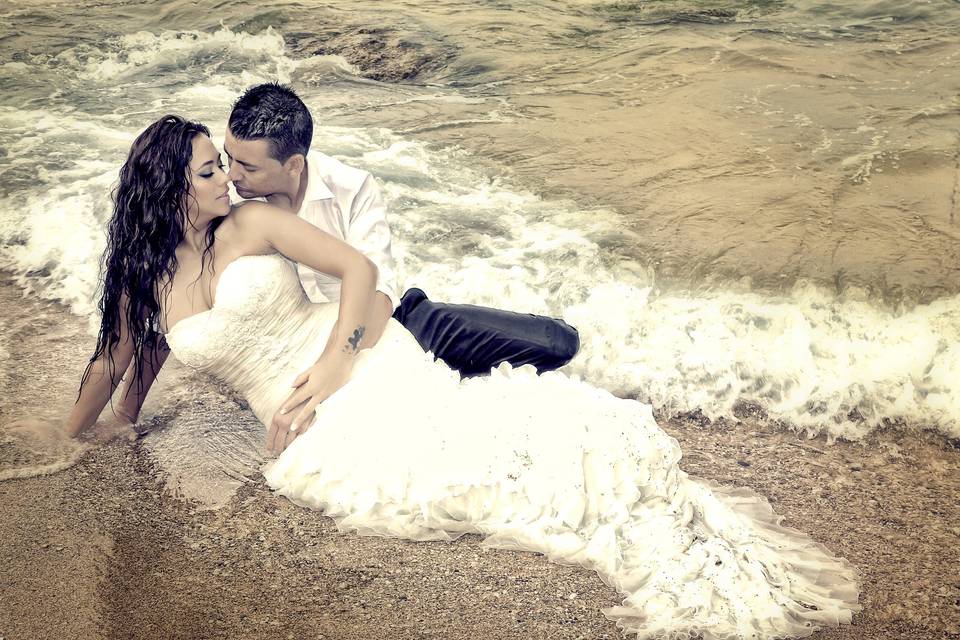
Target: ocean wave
(821,362)
(183,50)
(814,361)
(839,364)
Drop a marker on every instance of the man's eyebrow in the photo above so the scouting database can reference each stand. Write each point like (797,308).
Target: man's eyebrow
(246,164)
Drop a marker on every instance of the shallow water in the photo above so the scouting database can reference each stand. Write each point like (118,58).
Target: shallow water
(762,140)
(203,438)
(736,203)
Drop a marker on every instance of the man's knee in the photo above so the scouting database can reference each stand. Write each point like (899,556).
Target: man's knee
(411,299)
(473,339)
(562,347)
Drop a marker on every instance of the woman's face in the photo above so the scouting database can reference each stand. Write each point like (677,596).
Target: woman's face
(209,197)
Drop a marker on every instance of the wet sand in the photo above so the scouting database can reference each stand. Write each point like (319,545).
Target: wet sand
(102,550)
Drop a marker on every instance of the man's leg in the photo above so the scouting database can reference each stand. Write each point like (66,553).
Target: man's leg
(475,339)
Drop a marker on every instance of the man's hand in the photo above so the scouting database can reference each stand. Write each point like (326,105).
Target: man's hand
(111,426)
(126,414)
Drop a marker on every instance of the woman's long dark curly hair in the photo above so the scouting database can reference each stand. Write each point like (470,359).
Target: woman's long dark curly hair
(148,223)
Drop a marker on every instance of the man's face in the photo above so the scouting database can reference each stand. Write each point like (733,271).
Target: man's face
(253,171)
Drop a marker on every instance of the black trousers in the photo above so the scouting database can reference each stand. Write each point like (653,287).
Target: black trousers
(475,339)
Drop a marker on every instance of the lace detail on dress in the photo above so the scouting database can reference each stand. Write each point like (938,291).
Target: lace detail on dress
(539,463)
(260,334)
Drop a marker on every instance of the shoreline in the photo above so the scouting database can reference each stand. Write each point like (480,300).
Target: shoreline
(102,550)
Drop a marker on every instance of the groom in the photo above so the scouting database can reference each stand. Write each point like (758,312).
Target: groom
(268,146)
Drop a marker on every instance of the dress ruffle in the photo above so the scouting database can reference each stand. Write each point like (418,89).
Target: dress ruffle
(541,463)
(551,465)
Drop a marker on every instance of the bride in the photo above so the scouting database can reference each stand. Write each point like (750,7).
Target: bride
(542,463)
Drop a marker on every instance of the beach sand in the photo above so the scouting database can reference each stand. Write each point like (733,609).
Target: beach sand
(103,550)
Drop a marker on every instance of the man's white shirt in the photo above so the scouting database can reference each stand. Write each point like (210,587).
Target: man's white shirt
(346,203)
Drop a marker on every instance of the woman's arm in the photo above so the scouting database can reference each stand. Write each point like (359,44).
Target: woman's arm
(134,392)
(100,380)
(304,243)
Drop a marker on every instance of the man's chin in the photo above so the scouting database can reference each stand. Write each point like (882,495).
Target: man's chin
(246,195)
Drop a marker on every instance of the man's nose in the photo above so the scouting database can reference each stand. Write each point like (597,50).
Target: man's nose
(233,172)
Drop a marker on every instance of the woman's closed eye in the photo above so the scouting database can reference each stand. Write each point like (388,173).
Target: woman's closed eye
(210,175)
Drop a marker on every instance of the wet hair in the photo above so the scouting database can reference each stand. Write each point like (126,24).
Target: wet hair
(150,206)
(273,111)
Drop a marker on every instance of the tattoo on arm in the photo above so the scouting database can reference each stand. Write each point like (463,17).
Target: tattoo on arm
(353,342)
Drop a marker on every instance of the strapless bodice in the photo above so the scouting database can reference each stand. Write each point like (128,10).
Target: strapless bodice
(260,334)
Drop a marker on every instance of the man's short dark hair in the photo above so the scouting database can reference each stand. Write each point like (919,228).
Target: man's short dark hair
(274,112)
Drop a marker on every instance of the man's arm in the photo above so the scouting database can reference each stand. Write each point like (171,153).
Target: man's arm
(369,232)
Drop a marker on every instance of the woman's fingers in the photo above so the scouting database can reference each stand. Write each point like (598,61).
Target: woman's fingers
(276,436)
(295,400)
(298,396)
(271,438)
(302,378)
(308,413)
(290,436)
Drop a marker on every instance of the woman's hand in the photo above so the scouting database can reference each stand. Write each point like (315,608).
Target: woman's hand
(313,386)
(52,434)
(279,435)
(44,434)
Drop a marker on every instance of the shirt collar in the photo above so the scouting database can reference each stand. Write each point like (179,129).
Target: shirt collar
(317,189)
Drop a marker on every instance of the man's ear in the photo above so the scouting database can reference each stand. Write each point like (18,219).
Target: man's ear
(295,164)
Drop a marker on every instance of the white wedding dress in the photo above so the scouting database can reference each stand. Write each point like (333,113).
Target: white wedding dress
(542,463)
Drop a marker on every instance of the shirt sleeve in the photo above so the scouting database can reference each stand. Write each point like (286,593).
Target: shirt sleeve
(369,232)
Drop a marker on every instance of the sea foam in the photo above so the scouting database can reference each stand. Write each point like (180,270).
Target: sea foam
(822,362)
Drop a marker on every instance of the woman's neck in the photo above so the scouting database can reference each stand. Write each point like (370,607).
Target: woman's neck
(195,237)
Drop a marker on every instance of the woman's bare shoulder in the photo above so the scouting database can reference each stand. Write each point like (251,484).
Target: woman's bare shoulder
(253,212)
(249,224)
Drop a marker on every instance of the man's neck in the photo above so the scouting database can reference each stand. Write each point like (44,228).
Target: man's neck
(291,200)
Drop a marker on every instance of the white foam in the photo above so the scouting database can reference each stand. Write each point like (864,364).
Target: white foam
(821,363)
(28,450)
(52,219)
(809,358)
(137,52)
